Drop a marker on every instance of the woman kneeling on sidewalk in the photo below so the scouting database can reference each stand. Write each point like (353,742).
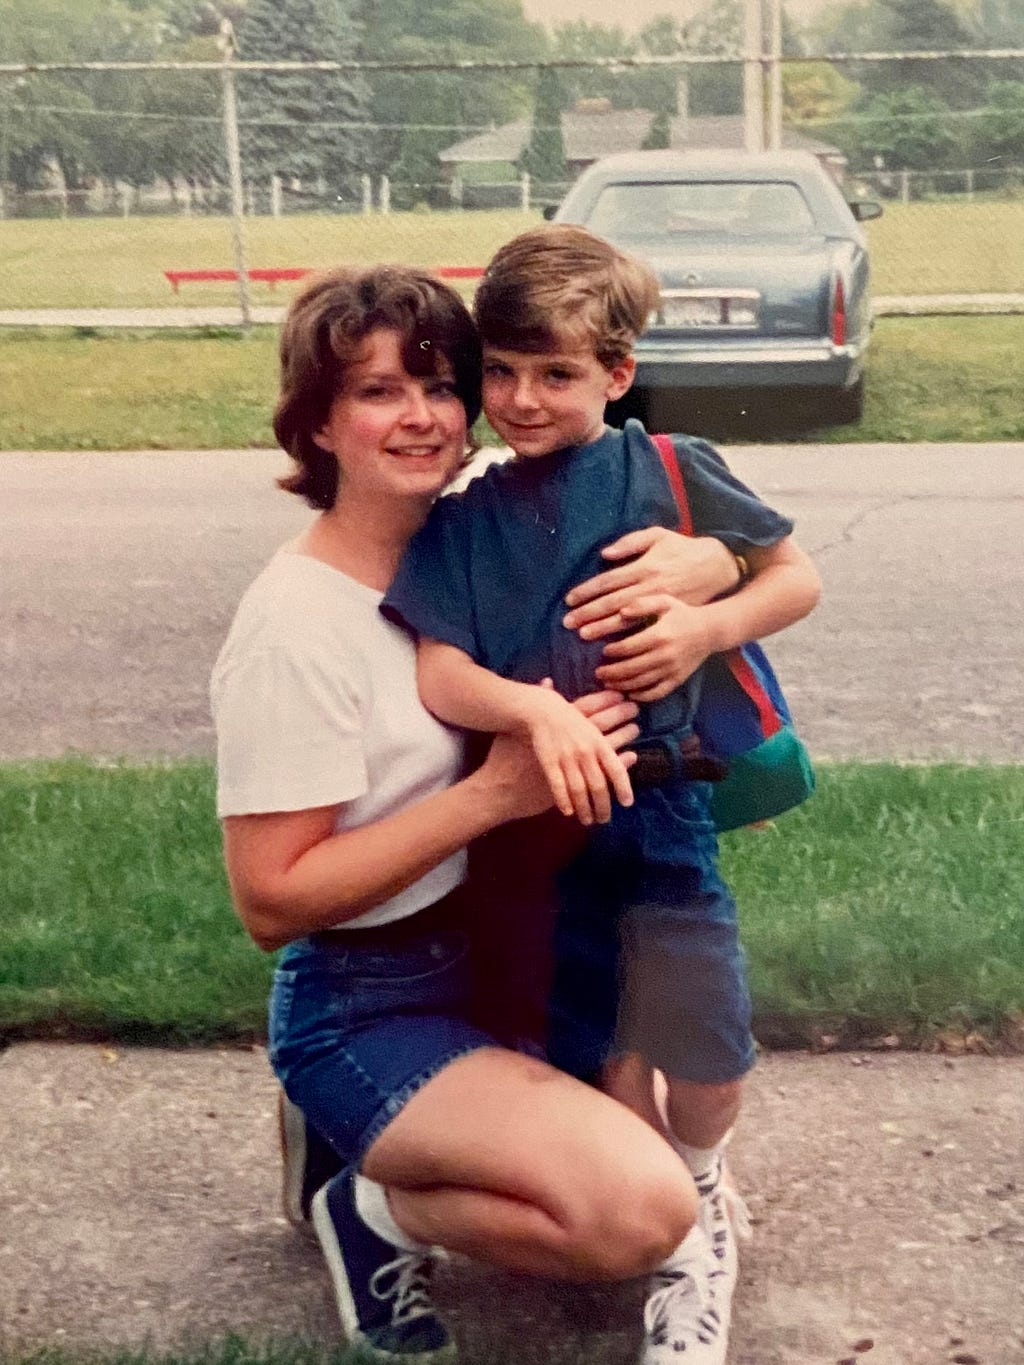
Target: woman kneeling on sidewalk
(345,820)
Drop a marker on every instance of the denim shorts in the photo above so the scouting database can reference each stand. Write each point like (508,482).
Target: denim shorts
(360,1019)
(647,953)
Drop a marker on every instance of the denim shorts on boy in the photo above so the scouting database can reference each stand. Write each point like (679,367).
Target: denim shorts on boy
(358,1024)
(647,954)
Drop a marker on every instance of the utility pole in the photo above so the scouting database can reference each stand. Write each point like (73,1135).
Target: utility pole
(775,75)
(753,77)
(228,48)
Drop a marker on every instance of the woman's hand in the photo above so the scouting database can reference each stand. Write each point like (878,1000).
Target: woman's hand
(651,663)
(613,714)
(691,569)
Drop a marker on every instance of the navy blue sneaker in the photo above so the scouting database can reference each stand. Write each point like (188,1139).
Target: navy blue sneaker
(383,1292)
(307,1162)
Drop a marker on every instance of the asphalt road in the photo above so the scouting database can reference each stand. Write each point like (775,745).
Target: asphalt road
(120,573)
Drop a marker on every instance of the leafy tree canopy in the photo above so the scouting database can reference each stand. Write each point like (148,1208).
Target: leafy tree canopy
(544,156)
(908,26)
(436,108)
(323,105)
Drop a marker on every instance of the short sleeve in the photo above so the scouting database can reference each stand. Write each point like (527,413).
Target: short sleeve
(430,594)
(720,504)
(289,733)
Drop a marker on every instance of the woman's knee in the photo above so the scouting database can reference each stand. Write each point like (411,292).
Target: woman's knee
(628,1224)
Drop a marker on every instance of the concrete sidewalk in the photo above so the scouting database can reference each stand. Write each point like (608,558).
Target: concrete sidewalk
(138,1204)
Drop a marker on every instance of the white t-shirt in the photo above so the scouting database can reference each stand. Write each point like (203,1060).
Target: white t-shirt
(315,703)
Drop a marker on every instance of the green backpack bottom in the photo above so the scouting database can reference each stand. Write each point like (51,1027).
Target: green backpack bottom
(763,782)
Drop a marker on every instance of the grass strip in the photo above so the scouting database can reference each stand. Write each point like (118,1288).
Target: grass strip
(893,903)
(943,246)
(929,379)
(231,1350)
(118,921)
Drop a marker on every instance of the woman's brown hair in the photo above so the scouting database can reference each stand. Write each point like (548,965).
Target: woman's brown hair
(322,332)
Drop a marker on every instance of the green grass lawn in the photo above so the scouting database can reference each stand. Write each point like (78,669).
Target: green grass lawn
(948,247)
(923,248)
(892,903)
(119,262)
(942,379)
(232,1350)
(128,391)
(929,379)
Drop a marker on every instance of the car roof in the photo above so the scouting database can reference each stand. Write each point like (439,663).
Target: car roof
(636,168)
(734,164)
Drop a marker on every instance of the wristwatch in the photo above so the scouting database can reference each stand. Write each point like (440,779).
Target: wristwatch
(742,566)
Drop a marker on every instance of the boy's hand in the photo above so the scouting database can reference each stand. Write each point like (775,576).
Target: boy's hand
(650,664)
(579,762)
(692,569)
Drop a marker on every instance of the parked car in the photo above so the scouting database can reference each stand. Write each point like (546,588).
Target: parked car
(763,268)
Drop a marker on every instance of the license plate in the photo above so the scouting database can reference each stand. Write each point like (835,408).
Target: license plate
(699,312)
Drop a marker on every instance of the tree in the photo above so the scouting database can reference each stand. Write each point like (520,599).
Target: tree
(1001,22)
(438,108)
(300,124)
(69,119)
(909,129)
(659,134)
(586,40)
(544,156)
(815,92)
(1000,130)
(717,30)
(909,26)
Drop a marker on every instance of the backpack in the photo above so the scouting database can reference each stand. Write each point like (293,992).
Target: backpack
(742,716)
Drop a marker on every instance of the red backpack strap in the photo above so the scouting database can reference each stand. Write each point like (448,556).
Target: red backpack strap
(667,451)
(738,665)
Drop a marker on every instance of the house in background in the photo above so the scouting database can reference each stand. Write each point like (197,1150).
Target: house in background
(592,129)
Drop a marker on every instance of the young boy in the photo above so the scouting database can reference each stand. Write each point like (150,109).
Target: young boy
(646,925)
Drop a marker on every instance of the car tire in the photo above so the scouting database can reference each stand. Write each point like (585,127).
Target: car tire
(845,407)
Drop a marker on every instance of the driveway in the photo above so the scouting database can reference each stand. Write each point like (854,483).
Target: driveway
(120,573)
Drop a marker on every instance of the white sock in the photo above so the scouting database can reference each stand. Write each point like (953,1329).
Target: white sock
(375,1211)
(700,1161)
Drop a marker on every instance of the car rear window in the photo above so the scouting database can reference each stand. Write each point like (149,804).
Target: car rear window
(642,212)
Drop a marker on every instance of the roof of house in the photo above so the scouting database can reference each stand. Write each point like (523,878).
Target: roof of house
(591,134)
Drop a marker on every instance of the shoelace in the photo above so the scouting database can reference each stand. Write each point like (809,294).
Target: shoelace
(657,1315)
(737,1212)
(406,1280)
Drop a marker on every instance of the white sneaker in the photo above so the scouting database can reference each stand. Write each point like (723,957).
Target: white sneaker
(683,1322)
(724,1218)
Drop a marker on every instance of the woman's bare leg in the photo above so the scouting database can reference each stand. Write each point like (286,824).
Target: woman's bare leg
(506,1159)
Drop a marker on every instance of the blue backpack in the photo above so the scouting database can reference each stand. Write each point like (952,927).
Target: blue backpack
(742,717)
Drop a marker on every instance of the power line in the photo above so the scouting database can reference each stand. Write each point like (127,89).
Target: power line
(623,63)
(462,129)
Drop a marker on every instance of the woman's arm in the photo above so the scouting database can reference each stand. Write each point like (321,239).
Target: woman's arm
(784,586)
(291,874)
(581,767)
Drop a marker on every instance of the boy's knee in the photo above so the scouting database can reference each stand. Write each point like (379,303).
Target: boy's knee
(702,1113)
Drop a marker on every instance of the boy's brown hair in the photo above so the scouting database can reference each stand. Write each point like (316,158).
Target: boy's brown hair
(557,283)
(327,322)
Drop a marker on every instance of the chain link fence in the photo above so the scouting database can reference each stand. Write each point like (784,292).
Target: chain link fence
(136,184)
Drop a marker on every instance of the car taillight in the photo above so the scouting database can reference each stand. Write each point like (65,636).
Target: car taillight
(839,314)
